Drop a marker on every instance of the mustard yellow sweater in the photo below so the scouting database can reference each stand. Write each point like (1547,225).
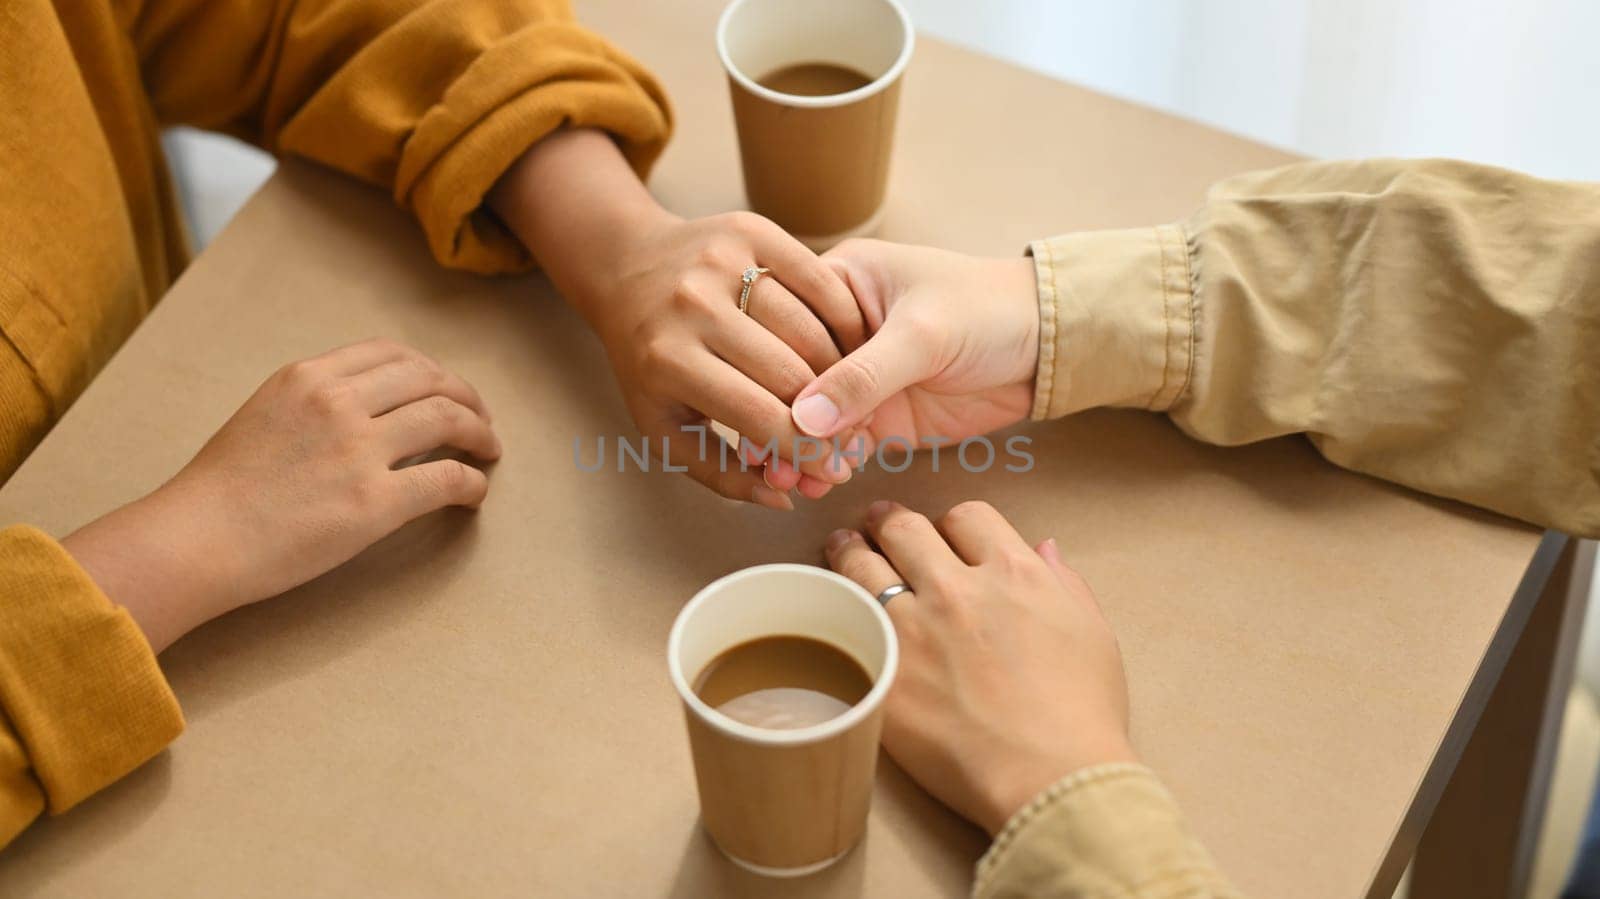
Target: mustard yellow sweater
(431,99)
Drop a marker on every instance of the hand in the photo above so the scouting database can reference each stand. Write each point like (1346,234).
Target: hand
(684,354)
(953,352)
(662,294)
(299,480)
(1009,679)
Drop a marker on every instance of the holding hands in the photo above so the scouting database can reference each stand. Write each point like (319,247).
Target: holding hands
(661,292)
(954,347)
(874,340)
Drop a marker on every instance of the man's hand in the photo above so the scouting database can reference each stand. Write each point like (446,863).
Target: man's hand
(662,294)
(299,480)
(1010,677)
(953,351)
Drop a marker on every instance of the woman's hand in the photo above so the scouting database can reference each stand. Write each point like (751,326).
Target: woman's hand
(684,354)
(953,352)
(1009,679)
(303,477)
(662,294)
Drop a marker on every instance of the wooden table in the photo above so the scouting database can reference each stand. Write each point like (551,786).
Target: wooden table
(479,705)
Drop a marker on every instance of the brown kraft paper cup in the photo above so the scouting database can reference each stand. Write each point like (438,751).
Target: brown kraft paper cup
(818,166)
(784,803)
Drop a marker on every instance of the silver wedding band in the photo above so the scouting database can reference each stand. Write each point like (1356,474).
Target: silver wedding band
(748,280)
(891,592)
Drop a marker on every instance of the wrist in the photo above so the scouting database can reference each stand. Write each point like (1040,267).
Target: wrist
(1011,788)
(1017,299)
(597,289)
(578,207)
(148,557)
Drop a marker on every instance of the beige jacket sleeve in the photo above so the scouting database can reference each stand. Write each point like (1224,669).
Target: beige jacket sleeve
(1432,323)
(1108,832)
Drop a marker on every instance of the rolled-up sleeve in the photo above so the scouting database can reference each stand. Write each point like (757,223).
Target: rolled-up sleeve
(82,700)
(430,99)
(1431,323)
(1110,830)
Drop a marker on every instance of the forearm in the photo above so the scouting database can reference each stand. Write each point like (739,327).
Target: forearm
(573,201)
(431,100)
(1422,322)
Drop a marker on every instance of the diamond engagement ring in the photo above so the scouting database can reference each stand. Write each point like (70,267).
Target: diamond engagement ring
(749,279)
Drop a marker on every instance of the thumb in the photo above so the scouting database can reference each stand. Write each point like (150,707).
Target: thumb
(852,388)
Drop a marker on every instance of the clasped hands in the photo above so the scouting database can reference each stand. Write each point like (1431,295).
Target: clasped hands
(837,354)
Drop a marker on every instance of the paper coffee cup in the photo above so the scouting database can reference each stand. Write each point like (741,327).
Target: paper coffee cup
(784,802)
(816,165)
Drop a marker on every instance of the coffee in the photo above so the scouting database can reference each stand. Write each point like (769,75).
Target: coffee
(783,682)
(814,79)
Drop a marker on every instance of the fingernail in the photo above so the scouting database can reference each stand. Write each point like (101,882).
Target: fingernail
(837,469)
(879,509)
(839,538)
(772,499)
(816,415)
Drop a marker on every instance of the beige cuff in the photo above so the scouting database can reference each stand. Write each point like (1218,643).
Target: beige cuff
(1109,830)
(1116,320)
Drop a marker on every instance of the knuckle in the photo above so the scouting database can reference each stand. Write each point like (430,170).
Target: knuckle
(444,479)
(903,523)
(688,299)
(444,410)
(747,223)
(328,398)
(719,254)
(301,373)
(793,378)
(971,510)
(367,496)
(421,365)
(659,354)
(856,376)
(351,443)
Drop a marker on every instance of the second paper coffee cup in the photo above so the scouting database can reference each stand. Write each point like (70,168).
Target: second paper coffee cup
(815,89)
(783,800)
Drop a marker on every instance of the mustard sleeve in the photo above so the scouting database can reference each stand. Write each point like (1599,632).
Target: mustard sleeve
(82,701)
(1431,323)
(1110,830)
(430,99)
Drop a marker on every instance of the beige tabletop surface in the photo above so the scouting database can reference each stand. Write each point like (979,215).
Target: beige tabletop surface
(479,705)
